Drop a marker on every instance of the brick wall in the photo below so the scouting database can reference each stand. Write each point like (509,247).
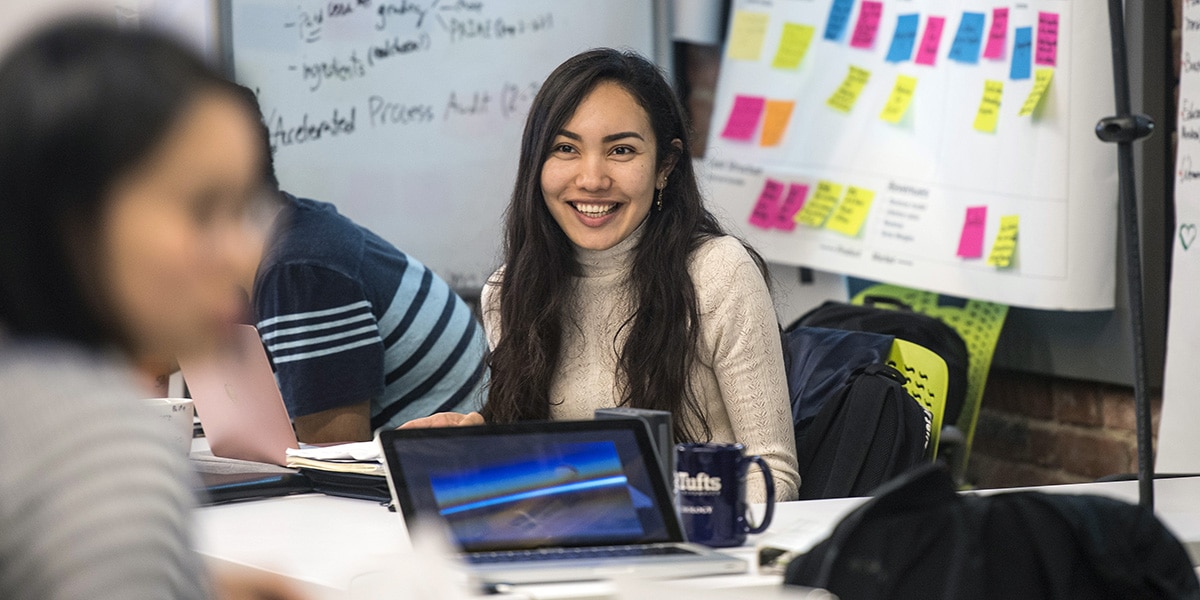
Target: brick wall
(1032,429)
(1035,430)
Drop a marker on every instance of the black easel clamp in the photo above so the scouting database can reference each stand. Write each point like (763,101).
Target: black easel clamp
(1124,129)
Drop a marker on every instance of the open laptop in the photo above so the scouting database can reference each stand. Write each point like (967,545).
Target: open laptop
(238,401)
(547,501)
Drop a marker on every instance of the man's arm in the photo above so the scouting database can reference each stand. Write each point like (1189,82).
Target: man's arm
(350,423)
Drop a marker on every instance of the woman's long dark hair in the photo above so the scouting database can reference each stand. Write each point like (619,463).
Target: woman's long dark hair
(82,104)
(663,330)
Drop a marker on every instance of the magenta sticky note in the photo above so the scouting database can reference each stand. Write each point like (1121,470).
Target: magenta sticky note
(1047,39)
(768,205)
(868,24)
(997,34)
(785,219)
(927,51)
(970,243)
(743,119)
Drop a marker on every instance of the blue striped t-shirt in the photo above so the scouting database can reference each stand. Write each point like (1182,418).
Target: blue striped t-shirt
(347,317)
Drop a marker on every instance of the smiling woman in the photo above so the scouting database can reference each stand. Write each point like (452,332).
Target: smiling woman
(619,288)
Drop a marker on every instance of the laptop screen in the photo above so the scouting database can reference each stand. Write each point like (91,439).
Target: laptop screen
(534,485)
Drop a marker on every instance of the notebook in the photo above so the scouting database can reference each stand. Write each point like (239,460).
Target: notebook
(547,501)
(238,401)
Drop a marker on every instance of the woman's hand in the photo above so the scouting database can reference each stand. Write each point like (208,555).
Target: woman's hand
(446,419)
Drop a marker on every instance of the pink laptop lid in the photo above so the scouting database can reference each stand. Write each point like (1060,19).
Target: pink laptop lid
(238,402)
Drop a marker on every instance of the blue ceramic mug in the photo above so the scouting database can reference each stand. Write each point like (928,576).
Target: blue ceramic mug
(710,485)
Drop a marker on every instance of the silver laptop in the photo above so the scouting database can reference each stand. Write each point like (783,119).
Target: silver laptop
(547,501)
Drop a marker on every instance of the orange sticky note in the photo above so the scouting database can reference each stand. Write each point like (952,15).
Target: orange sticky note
(816,210)
(852,212)
(778,113)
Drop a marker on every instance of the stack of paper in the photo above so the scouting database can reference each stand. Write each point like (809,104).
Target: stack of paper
(357,457)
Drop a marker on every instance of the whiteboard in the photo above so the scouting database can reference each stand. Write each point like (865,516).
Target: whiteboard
(935,176)
(408,114)
(1178,448)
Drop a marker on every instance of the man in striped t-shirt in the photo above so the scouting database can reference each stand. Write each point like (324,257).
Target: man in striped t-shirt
(361,336)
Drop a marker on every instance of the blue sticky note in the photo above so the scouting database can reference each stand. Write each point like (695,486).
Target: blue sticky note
(839,17)
(1022,53)
(967,41)
(904,38)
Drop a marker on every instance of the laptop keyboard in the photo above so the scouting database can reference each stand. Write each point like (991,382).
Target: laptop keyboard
(574,553)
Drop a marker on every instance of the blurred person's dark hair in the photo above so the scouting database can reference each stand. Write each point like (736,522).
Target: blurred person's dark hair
(83,104)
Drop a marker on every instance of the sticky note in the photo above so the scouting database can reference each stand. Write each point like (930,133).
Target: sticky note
(785,219)
(767,206)
(1022,53)
(904,38)
(839,16)
(969,37)
(746,34)
(1047,39)
(817,209)
(778,113)
(1005,245)
(970,242)
(997,34)
(1041,81)
(850,214)
(793,45)
(927,51)
(846,95)
(743,119)
(868,24)
(989,106)
(899,99)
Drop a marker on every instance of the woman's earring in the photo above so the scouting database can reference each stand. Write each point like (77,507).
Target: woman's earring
(659,203)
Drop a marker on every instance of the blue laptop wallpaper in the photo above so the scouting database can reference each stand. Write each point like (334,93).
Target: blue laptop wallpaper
(533,489)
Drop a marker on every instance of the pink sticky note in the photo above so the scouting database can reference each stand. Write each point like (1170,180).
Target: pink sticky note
(1047,39)
(927,51)
(997,34)
(743,119)
(868,24)
(768,205)
(970,243)
(785,219)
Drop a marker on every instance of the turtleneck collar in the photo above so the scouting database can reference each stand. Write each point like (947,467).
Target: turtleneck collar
(599,263)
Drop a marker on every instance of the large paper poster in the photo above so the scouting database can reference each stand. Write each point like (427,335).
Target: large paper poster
(1178,443)
(946,145)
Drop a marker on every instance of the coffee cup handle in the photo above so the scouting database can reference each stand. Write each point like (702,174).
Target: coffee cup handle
(770,482)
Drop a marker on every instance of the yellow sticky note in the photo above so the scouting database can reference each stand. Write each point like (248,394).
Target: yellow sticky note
(793,45)
(817,209)
(778,113)
(898,102)
(746,35)
(989,106)
(847,94)
(1005,245)
(850,214)
(1041,81)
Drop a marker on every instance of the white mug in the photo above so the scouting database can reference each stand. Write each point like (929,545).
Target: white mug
(177,416)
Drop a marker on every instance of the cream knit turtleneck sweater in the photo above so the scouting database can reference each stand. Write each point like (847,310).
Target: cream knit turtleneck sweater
(739,376)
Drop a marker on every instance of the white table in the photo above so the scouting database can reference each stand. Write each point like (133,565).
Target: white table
(343,548)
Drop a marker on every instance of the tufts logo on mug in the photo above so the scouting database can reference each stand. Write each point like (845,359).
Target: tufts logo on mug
(701,482)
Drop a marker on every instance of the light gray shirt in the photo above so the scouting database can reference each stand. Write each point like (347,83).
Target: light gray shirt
(94,500)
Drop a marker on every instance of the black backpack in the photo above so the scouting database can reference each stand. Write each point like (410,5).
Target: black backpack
(904,323)
(856,426)
(917,538)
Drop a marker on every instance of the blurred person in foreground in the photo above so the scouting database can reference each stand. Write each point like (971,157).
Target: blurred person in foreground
(130,180)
